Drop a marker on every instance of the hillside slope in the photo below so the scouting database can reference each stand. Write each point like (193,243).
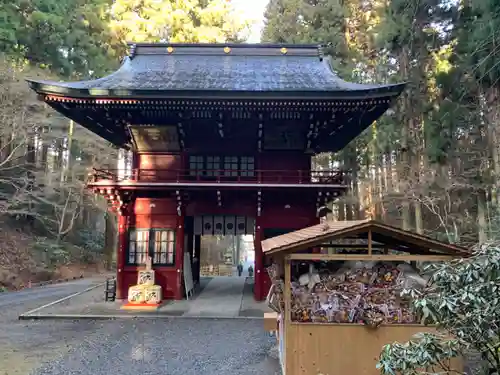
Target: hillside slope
(23,259)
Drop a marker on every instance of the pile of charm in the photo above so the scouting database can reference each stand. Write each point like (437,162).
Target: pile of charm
(359,292)
(275,299)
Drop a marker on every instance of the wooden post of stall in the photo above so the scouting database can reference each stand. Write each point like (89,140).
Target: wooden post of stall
(286,317)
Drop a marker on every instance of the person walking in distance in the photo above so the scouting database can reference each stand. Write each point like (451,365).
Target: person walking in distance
(240,269)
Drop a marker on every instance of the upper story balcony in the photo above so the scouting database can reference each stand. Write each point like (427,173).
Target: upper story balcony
(334,178)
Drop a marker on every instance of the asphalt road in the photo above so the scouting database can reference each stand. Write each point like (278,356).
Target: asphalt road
(39,295)
(166,347)
(23,344)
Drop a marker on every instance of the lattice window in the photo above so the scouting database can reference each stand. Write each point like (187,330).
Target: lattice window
(163,247)
(247,166)
(138,249)
(196,166)
(213,166)
(159,244)
(231,166)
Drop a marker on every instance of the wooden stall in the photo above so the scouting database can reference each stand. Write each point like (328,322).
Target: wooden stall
(318,338)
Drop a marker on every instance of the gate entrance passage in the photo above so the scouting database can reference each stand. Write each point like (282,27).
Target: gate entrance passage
(222,243)
(220,290)
(224,129)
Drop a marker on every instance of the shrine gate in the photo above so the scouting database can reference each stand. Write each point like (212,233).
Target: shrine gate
(221,132)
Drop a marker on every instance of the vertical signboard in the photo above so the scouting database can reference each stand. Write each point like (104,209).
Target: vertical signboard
(219,225)
(230,227)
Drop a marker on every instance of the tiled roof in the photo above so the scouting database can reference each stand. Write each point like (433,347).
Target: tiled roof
(320,233)
(254,68)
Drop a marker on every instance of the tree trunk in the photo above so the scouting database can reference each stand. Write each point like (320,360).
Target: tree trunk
(110,240)
(355,183)
(405,113)
(66,167)
(493,121)
(482,224)
(347,164)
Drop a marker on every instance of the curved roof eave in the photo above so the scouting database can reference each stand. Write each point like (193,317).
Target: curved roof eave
(56,89)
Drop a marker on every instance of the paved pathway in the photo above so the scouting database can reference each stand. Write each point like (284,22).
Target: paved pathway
(220,297)
(217,297)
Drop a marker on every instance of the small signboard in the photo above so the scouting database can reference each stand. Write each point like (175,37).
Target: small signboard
(223,225)
(155,138)
(188,276)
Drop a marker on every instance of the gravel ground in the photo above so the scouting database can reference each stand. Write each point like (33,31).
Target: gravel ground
(177,346)
(165,346)
(125,347)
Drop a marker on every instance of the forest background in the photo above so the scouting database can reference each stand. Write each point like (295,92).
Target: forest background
(431,164)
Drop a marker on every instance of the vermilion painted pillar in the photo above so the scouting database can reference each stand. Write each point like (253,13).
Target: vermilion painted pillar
(197,255)
(121,288)
(179,256)
(259,262)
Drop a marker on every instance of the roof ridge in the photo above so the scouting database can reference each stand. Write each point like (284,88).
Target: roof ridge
(232,45)
(225,49)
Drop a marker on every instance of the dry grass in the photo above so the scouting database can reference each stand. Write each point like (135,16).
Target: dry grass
(19,266)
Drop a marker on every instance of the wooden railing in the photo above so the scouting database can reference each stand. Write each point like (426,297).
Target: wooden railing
(334,177)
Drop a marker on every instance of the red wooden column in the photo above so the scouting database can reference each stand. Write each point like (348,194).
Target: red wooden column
(121,288)
(135,166)
(197,255)
(179,256)
(259,262)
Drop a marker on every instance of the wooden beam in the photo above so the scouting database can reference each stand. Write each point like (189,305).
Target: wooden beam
(352,246)
(312,187)
(419,241)
(288,291)
(378,257)
(395,244)
(308,243)
(381,248)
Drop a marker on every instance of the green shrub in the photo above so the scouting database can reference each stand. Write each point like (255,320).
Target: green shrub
(463,299)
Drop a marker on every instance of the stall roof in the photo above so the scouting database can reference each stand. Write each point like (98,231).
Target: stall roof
(331,230)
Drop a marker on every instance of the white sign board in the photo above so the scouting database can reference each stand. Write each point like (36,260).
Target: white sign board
(188,275)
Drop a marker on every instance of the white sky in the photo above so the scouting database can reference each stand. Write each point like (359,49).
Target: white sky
(253,9)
